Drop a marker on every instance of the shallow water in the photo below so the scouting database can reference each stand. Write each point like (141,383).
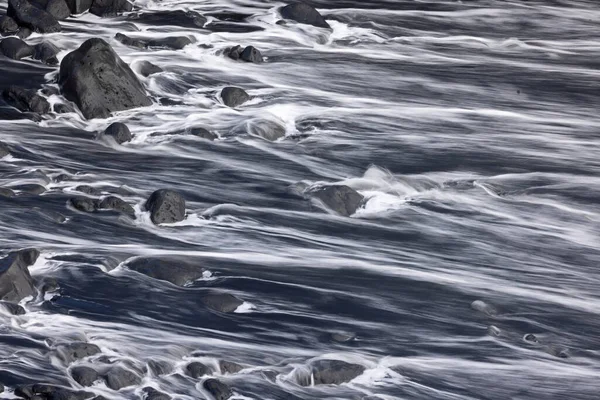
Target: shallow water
(471,128)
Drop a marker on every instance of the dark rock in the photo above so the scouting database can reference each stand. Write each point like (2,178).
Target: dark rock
(50,392)
(92,191)
(203,133)
(4,150)
(8,25)
(24,391)
(305,14)
(170,42)
(340,198)
(334,372)
(62,108)
(197,370)
(146,68)
(79,6)
(234,96)
(119,377)
(217,389)
(110,8)
(222,302)
(85,376)
(15,280)
(57,8)
(84,204)
(1,388)
(116,204)
(76,351)
(159,368)
(251,54)
(228,367)
(153,394)
(24,32)
(269,130)
(46,53)
(119,132)
(234,52)
(25,100)
(99,82)
(166,207)
(232,27)
(178,272)
(29,188)
(15,48)
(25,14)
(6,192)
(186,19)
(12,308)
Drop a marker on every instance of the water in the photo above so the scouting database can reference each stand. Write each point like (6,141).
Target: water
(471,127)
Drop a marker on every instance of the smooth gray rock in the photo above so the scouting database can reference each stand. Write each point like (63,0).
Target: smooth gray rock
(110,8)
(229,367)
(15,281)
(46,52)
(222,302)
(27,15)
(251,54)
(99,82)
(234,96)
(76,351)
(197,370)
(25,100)
(166,207)
(146,68)
(217,389)
(116,204)
(119,132)
(177,271)
(85,376)
(8,25)
(119,377)
(79,6)
(169,42)
(57,8)
(305,14)
(339,198)
(203,133)
(15,48)
(334,372)
(269,130)
(6,192)
(29,188)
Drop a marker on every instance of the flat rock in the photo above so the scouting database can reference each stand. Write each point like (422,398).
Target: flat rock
(178,272)
(222,302)
(304,14)
(85,376)
(334,372)
(166,207)
(202,133)
(119,377)
(79,6)
(15,48)
(153,394)
(87,189)
(169,42)
(234,96)
(110,8)
(339,198)
(119,132)
(27,15)
(186,19)
(76,351)
(146,68)
(29,188)
(217,389)
(267,129)
(8,25)
(46,52)
(15,281)
(6,192)
(99,82)
(25,100)
(229,367)
(197,370)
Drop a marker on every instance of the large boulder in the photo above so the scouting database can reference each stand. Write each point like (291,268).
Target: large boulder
(99,82)
(217,389)
(119,132)
(234,96)
(305,14)
(166,207)
(340,198)
(57,8)
(178,272)
(334,372)
(15,281)
(110,8)
(15,48)
(27,15)
(79,6)
(25,100)
(169,42)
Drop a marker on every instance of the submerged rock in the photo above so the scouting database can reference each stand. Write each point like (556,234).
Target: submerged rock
(84,204)
(202,133)
(57,8)
(25,100)
(85,376)
(146,68)
(217,389)
(197,370)
(76,351)
(339,198)
(166,207)
(6,192)
(228,367)
(4,150)
(29,188)
(110,8)
(170,42)
(46,53)
(15,281)
(234,96)
(16,48)
(119,132)
(153,394)
(116,204)
(119,377)
(159,368)
(334,372)
(222,302)
(269,130)
(305,14)
(87,189)
(27,15)
(178,272)
(99,82)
